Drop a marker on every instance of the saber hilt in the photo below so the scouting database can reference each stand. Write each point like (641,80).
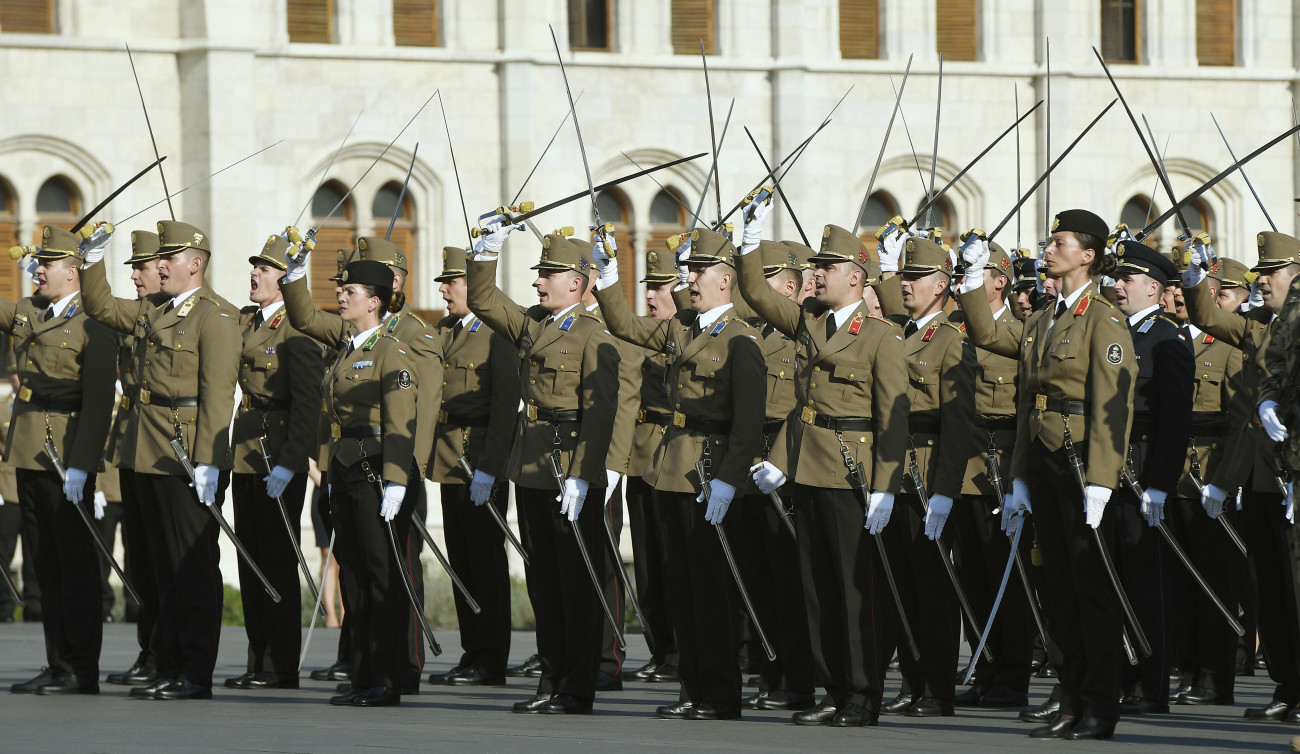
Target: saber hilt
(496,514)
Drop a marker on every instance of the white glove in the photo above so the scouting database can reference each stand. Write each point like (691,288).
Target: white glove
(1015,506)
(392,502)
(1290,502)
(754,224)
(490,243)
(1212,500)
(480,487)
(612,478)
(28,264)
(891,249)
(881,505)
(93,245)
(603,249)
(719,499)
(296,265)
(1194,273)
(74,485)
(937,515)
(768,477)
(2,500)
(205,483)
(575,492)
(1256,298)
(975,257)
(683,253)
(1095,498)
(101,503)
(1272,425)
(1153,506)
(277,480)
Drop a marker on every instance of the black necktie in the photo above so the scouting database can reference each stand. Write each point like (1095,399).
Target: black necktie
(352,346)
(258,319)
(909,329)
(455,330)
(170,305)
(696,329)
(1060,310)
(49,315)
(830,324)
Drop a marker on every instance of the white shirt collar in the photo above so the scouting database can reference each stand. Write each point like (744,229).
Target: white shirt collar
(1136,318)
(1194,330)
(560,314)
(842,315)
(1073,298)
(270,309)
(180,298)
(923,321)
(467,320)
(62,304)
(360,338)
(998,314)
(708,318)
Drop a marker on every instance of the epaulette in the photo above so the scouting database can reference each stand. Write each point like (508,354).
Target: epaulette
(961,328)
(393,319)
(1170,321)
(372,340)
(589,315)
(879,318)
(276,319)
(418,318)
(1100,299)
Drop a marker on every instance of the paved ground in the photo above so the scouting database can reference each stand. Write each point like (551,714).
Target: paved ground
(440,719)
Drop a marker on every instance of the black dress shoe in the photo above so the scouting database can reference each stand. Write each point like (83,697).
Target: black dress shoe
(1199,696)
(1177,695)
(898,706)
(566,704)
(136,675)
(346,698)
(970,697)
(678,711)
(530,668)
(1060,725)
(151,691)
(531,706)
(183,688)
(823,714)
(272,681)
(706,711)
(1042,713)
(239,682)
(607,682)
(47,675)
(379,696)
(69,684)
(440,679)
(1047,671)
(1274,711)
(666,673)
(339,671)
(1091,729)
(472,676)
(1136,705)
(761,698)
(854,716)
(1004,696)
(645,671)
(928,706)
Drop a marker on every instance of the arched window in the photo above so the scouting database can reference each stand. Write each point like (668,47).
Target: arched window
(956,29)
(941,216)
(1138,211)
(879,209)
(57,203)
(311,21)
(613,209)
(335,234)
(859,29)
(415,23)
(384,209)
(11,284)
(1136,214)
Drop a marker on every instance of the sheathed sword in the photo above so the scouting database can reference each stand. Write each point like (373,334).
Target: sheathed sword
(627,582)
(416,607)
(289,527)
(446,565)
(183,456)
(1194,473)
(558,473)
(496,514)
(317,610)
(53,453)
(995,478)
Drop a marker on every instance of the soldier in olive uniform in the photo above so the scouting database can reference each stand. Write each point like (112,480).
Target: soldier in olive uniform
(65,398)
(850,403)
(121,453)
(187,392)
(569,375)
(279,375)
(1251,461)
(480,400)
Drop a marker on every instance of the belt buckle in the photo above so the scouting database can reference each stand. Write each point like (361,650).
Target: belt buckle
(336,431)
(679,420)
(246,400)
(1040,402)
(145,396)
(640,416)
(25,394)
(532,413)
(808,415)
(125,403)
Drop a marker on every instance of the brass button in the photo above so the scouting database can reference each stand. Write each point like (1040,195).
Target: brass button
(999,380)
(446,365)
(713,374)
(850,375)
(146,363)
(862,439)
(1205,376)
(817,369)
(471,365)
(782,374)
(573,434)
(929,442)
(530,382)
(812,404)
(813,386)
(920,379)
(679,386)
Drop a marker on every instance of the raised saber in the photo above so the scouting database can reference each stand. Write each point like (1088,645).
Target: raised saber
(205,179)
(401,195)
(161,174)
(670,194)
(329,165)
(582,147)
(1047,135)
(446,566)
(586,556)
(184,457)
(708,179)
(934,155)
(1244,177)
(325,576)
(1016,94)
(779,191)
(541,157)
(53,453)
(117,191)
(713,137)
(496,514)
(289,527)
(871,184)
(907,131)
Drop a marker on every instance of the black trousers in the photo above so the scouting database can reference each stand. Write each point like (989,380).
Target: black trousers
(568,613)
(67,567)
(1204,646)
(384,621)
(411,674)
(649,558)
(849,609)
(31,543)
(928,600)
(611,657)
(1146,568)
(274,630)
(476,549)
(769,561)
(980,551)
(1079,603)
(186,560)
(1269,537)
(137,563)
(703,602)
(11,522)
(344,649)
(108,526)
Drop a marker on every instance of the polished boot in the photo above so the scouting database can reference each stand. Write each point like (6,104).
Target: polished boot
(530,668)
(531,706)
(1199,696)
(970,697)
(1042,713)
(1274,711)
(665,674)
(136,675)
(440,679)
(47,675)
(678,711)
(823,714)
(471,676)
(346,698)
(898,706)
(706,711)
(183,688)
(1091,729)
(151,691)
(68,684)
(339,671)
(1004,696)
(566,704)
(1059,726)
(927,706)
(379,696)
(853,716)
(644,672)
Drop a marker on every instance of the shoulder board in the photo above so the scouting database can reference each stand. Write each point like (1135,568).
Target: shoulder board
(856,324)
(418,318)
(959,327)
(1170,321)
(882,320)
(929,332)
(1101,300)
(1208,339)
(1083,305)
(475,325)
(277,319)
(567,323)
(390,337)
(72,308)
(592,315)
(393,319)
(371,341)
(189,305)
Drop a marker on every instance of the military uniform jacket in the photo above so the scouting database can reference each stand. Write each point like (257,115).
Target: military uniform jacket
(190,351)
(1216,367)
(1280,381)
(280,372)
(654,398)
(121,438)
(1087,357)
(1162,401)
(995,391)
(629,401)
(480,400)
(940,373)
(1248,446)
(565,365)
(859,372)
(370,398)
(779,356)
(65,368)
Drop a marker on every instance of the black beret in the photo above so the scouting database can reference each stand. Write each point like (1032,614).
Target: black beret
(368,272)
(1081,221)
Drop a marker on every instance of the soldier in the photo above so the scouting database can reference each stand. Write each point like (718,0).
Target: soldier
(1075,406)
(65,401)
(771,553)
(941,372)
(718,374)
(1251,462)
(1025,287)
(569,373)
(479,403)
(851,399)
(279,376)
(1162,406)
(121,453)
(187,392)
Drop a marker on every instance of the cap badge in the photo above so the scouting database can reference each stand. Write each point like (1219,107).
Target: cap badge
(361,245)
(1056,223)
(546,243)
(198,238)
(652,256)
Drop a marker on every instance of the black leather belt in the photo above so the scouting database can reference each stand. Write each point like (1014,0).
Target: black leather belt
(459,420)
(1209,424)
(923,424)
(361,433)
(252,401)
(650,416)
(150,398)
(845,423)
(1143,425)
(26,395)
(1058,406)
(550,416)
(995,423)
(772,426)
(703,426)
